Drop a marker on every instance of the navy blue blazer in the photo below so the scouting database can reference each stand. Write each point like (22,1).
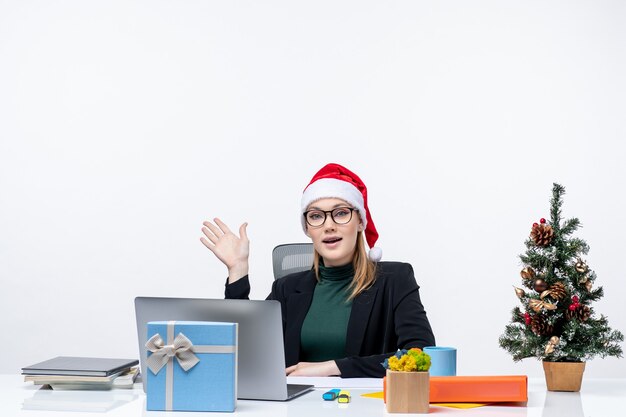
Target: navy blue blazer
(386,317)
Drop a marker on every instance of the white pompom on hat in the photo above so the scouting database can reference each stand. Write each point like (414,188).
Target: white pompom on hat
(336,181)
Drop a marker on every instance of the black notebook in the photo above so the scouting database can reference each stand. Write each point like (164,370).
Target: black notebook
(72,365)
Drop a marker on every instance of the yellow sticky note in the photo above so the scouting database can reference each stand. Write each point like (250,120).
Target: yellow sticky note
(380,395)
(374,395)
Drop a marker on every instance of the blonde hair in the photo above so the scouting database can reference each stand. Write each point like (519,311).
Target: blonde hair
(364,268)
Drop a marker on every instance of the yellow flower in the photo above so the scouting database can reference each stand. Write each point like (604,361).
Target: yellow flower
(408,361)
(409,364)
(394,363)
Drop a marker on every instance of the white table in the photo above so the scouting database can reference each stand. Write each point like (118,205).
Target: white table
(598,397)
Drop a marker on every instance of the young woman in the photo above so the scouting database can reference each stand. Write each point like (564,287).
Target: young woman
(350,311)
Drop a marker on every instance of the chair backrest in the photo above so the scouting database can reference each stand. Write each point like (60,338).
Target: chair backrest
(292,257)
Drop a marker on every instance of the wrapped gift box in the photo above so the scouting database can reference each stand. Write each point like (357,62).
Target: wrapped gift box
(475,389)
(192,366)
(488,389)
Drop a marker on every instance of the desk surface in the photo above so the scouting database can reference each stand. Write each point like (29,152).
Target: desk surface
(598,397)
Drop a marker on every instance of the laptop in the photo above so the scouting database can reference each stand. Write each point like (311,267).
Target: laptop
(261,368)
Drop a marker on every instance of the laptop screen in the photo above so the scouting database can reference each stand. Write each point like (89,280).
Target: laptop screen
(261,368)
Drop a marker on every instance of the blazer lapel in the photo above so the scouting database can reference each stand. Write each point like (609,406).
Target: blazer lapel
(298,305)
(359,317)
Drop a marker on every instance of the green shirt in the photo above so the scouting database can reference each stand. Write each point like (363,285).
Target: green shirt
(323,334)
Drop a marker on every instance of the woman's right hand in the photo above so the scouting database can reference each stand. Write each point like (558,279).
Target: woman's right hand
(229,248)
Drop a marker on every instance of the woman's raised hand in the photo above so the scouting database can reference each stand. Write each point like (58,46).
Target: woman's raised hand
(229,248)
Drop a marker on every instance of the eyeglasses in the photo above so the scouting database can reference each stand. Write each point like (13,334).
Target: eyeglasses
(340,215)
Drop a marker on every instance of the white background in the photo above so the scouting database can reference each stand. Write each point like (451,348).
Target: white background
(125,124)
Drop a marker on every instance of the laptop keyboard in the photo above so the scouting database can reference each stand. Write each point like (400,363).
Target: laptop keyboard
(297,389)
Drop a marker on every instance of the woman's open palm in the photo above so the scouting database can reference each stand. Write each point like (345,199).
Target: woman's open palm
(229,248)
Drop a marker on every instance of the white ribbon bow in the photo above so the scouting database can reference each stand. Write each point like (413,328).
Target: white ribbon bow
(181,349)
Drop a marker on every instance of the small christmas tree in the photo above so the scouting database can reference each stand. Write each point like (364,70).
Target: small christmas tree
(557,322)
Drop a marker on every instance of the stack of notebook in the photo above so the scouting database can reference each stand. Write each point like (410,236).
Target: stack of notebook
(70,372)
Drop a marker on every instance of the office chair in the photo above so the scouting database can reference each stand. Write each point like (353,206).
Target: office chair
(292,257)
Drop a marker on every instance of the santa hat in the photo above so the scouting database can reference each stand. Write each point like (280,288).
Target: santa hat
(336,181)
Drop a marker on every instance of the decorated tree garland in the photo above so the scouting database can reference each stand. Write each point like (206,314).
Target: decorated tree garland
(556,322)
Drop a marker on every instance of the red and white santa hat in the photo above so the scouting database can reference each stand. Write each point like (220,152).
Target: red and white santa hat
(336,181)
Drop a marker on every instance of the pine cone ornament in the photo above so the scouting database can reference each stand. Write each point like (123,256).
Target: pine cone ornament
(556,292)
(582,313)
(540,326)
(542,234)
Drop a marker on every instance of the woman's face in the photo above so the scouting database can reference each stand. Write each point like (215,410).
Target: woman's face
(334,242)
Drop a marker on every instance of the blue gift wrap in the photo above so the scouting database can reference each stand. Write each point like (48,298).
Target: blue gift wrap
(192,366)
